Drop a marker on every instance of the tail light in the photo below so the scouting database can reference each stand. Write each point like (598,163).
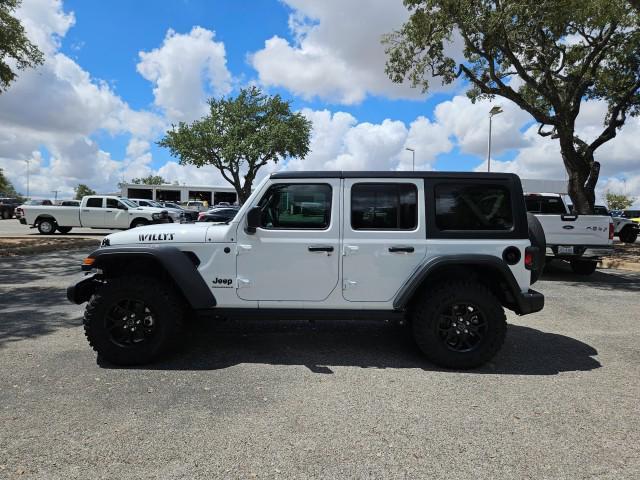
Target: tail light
(611,230)
(530,258)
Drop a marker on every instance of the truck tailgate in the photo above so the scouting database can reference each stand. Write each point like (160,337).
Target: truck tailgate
(592,230)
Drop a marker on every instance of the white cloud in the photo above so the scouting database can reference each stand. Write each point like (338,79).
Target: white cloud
(337,54)
(177,70)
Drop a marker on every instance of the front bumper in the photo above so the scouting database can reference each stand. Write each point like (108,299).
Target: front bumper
(530,302)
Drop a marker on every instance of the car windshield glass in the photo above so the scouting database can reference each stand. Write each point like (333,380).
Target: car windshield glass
(128,203)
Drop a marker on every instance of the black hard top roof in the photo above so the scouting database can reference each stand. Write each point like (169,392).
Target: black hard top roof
(390,174)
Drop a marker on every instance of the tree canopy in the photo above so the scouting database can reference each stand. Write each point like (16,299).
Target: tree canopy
(6,187)
(150,180)
(241,135)
(547,56)
(16,51)
(618,201)
(83,190)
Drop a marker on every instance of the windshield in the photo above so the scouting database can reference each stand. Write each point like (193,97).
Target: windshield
(155,204)
(128,203)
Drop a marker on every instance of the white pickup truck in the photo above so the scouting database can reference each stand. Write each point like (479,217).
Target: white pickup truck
(96,211)
(579,239)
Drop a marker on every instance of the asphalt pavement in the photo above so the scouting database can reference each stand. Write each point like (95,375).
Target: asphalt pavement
(327,399)
(13,228)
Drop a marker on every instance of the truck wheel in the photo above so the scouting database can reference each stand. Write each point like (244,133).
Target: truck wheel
(64,230)
(47,226)
(459,325)
(6,214)
(132,320)
(583,267)
(139,222)
(628,235)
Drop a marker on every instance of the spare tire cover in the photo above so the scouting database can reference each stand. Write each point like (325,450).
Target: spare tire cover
(536,235)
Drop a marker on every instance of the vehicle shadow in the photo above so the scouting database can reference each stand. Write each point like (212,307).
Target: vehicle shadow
(367,344)
(33,322)
(605,279)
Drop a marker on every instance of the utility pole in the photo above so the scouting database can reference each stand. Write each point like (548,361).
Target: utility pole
(413,156)
(27,160)
(494,111)
(55,192)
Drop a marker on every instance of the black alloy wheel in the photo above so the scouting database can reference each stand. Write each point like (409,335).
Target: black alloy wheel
(130,322)
(462,327)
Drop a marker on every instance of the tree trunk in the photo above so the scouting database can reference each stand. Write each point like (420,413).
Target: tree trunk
(583,173)
(244,192)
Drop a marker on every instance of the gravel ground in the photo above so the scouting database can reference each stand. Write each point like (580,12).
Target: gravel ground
(325,400)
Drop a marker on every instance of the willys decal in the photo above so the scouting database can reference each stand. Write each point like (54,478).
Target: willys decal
(155,237)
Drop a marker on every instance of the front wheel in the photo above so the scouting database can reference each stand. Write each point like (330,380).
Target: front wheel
(133,320)
(139,222)
(583,267)
(460,324)
(47,226)
(64,230)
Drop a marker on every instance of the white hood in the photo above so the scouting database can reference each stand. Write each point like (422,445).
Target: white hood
(171,233)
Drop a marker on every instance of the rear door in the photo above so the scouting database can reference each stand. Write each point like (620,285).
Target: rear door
(92,213)
(294,254)
(384,236)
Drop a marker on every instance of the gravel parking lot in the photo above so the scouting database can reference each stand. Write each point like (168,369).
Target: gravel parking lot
(327,400)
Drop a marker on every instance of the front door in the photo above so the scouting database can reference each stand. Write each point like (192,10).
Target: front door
(115,214)
(294,255)
(384,236)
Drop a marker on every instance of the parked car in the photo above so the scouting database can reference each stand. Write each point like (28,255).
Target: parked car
(176,214)
(191,215)
(95,211)
(8,207)
(196,205)
(623,228)
(579,239)
(224,214)
(459,249)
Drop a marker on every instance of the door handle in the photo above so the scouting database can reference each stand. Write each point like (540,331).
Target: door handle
(109,211)
(398,249)
(320,248)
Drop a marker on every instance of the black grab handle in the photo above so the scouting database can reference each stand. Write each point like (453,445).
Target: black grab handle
(320,249)
(401,249)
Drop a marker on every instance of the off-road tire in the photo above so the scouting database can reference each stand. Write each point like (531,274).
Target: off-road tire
(628,235)
(64,230)
(167,309)
(583,267)
(47,226)
(538,239)
(139,222)
(425,313)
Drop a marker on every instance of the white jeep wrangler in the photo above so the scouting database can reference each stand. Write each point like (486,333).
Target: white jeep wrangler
(445,251)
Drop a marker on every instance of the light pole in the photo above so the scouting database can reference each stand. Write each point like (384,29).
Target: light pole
(413,157)
(494,111)
(27,160)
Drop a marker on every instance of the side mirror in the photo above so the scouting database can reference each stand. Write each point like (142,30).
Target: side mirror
(253,219)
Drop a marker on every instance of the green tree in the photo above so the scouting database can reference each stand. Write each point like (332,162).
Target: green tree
(547,56)
(150,180)
(82,191)
(241,135)
(618,201)
(6,187)
(14,45)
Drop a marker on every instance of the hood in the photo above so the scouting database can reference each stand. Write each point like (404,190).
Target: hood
(170,233)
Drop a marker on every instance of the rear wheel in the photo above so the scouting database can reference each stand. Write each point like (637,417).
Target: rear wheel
(6,214)
(47,226)
(538,239)
(133,320)
(459,325)
(583,267)
(628,235)
(64,230)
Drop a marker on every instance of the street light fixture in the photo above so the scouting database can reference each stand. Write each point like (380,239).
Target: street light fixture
(496,110)
(413,156)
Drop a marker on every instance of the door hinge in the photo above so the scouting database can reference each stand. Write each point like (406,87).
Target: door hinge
(242,248)
(349,284)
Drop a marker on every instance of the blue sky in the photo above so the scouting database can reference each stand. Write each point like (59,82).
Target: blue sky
(118,73)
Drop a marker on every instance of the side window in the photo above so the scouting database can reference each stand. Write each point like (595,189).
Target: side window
(384,206)
(296,206)
(94,202)
(112,203)
(473,207)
